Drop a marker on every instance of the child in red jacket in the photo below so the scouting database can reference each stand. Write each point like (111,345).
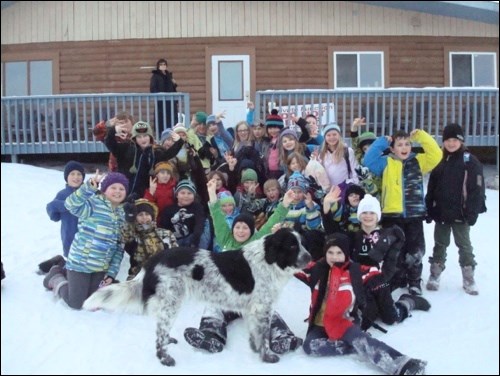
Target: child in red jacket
(335,283)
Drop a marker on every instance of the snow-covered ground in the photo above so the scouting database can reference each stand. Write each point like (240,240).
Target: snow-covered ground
(41,335)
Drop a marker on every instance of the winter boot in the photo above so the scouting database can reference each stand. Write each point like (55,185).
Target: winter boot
(211,336)
(55,279)
(413,302)
(414,286)
(468,280)
(433,282)
(205,340)
(45,266)
(413,367)
(283,339)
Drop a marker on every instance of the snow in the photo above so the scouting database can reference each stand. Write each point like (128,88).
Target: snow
(41,335)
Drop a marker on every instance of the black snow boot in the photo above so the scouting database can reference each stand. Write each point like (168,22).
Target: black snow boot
(413,367)
(211,336)
(283,339)
(45,266)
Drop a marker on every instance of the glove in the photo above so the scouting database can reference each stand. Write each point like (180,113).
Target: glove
(130,212)
(363,172)
(428,219)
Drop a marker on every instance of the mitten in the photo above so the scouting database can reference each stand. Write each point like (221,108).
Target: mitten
(130,212)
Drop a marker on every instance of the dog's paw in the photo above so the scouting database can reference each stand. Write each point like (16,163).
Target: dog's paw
(165,359)
(253,346)
(270,358)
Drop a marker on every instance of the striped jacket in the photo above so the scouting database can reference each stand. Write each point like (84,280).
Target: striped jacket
(97,246)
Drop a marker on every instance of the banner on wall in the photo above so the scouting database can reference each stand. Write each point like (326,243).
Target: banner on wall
(324,112)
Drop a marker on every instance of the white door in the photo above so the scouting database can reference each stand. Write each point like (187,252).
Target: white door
(231,87)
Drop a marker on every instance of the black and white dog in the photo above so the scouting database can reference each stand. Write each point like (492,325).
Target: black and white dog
(247,281)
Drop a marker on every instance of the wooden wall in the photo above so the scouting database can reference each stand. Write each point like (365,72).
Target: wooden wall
(56,21)
(281,62)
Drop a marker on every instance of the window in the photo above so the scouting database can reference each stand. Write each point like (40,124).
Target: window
(359,69)
(32,77)
(472,69)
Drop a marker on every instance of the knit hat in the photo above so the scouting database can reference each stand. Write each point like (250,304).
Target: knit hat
(297,180)
(453,131)
(211,119)
(288,132)
(164,166)
(201,117)
(340,240)
(167,133)
(369,204)
(354,188)
(143,205)
(185,184)
(249,174)
(179,127)
(225,197)
(72,166)
(112,178)
(141,127)
(245,218)
(331,127)
(366,138)
(274,120)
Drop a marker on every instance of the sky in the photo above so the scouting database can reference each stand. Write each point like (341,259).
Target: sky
(41,335)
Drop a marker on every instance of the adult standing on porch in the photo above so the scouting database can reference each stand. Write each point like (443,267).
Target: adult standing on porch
(162,81)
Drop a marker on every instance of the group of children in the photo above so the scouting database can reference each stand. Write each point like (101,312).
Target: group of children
(165,196)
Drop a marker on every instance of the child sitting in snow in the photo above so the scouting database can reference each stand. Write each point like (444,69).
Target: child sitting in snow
(141,229)
(74,174)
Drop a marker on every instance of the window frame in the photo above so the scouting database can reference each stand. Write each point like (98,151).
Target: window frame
(334,50)
(29,57)
(471,54)
(466,49)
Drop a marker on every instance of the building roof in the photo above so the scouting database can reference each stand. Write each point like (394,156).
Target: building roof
(481,11)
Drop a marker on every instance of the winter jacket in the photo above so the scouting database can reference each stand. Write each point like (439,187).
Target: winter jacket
(162,83)
(58,212)
(184,221)
(137,164)
(402,180)
(149,239)
(333,295)
(224,234)
(455,189)
(163,197)
(300,215)
(97,246)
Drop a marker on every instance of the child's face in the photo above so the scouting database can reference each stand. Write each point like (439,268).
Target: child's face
(451,145)
(75,179)
(312,126)
(143,218)
(218,181)
(168,143)
(185,197)
(143,140)
(365,148)
(227,208)
(183,135)
(368,219)
(402,148)
(273,194)
(213,128)
(258,131)
(332,138)
(163,176)
(294,165)
(126,125)
(243,133)
(241,232)
(298,195)
(273,132)
(249,185)
(288,143)
(353,200)
(115,193)
(334,254)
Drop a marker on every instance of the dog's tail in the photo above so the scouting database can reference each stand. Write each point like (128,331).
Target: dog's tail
(122,297)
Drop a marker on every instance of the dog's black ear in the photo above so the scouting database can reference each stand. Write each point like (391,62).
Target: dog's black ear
(282,248)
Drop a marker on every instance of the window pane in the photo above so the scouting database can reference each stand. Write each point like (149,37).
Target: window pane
(461,70)
(231,80)
(16,78)
(347,70)
(370,66)
(484,65)
(40,78)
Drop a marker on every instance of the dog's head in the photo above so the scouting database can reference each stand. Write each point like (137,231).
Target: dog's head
(285,249)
